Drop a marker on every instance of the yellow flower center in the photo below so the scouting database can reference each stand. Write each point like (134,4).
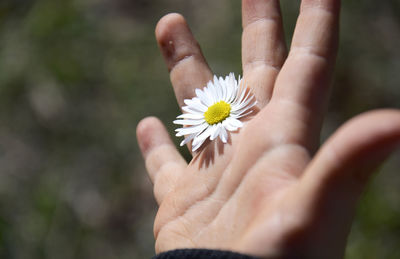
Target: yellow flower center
(217,112)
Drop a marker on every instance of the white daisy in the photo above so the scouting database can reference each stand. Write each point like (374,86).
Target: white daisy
(214,111)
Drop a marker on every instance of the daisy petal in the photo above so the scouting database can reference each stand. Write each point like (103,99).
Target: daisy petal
(204,135)
(203,98)
(189,102)
(191,116)
(229,93)
(195,108)
(244,105)
(191,130)
(228,125)
(244,111)
(223,135)
(195,102)
(187,139)
(217,87)
(211,88)
(209,94)
(243,115)
(224,91)
(235,122)
(189,122)
(195,147)
(215,132)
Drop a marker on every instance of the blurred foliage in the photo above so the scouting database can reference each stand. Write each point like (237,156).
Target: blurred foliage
(76,76)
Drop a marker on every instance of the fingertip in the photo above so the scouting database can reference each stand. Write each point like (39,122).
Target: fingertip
(168,31)
(176,41)
(182,54)
(150,133)
(383,115)
(373,127)
(166,23)
(371,137)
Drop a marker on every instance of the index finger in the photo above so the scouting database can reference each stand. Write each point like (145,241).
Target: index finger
(182,54)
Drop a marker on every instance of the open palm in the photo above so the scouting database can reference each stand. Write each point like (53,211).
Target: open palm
(270,191)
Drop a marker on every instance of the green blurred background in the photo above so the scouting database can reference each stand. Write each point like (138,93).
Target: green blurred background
(76,76)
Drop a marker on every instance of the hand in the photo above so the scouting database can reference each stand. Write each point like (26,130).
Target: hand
(270,191)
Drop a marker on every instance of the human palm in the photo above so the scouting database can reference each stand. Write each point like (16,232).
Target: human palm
(269,191)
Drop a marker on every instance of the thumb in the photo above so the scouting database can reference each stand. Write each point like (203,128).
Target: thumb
(335,178)
(355,151)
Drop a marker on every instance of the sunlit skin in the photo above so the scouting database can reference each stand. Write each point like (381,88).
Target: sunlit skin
(271,190)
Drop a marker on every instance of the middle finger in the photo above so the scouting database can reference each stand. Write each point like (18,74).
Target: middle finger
(263,46)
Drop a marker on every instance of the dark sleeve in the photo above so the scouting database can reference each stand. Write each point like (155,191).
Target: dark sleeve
(201,254)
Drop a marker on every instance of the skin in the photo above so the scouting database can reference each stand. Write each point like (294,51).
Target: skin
(271,191)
